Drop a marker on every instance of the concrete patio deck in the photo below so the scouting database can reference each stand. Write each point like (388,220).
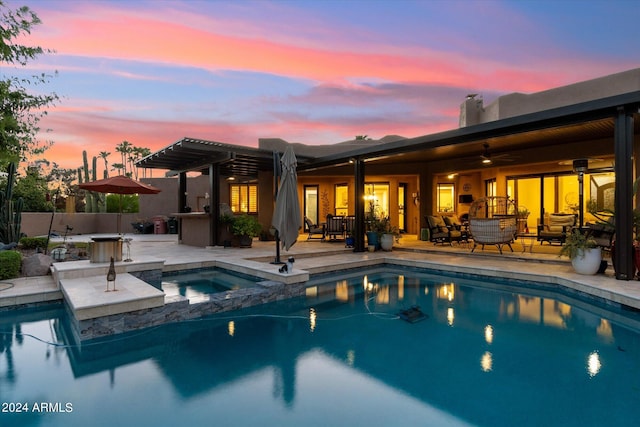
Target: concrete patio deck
(314,257)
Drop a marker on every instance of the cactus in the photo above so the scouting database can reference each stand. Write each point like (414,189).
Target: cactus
(10,210)
(89,198)
(94,202)
(99,199)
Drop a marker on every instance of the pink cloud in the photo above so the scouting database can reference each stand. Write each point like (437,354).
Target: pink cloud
(105,32)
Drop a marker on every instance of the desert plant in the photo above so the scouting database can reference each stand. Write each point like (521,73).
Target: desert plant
(576,243)
(226,219)
(33,242)
(384,226)
(10,262)
(523,212)
(246,225)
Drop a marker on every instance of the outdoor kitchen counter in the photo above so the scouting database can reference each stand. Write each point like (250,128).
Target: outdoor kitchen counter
(193,228)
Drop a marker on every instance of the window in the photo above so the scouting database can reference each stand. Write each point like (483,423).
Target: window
(244,198)
(342,199)
(446,198)
(491,187)
(376,196)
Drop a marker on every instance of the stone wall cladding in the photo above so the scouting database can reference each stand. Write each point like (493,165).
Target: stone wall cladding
(152,277)
(178,308)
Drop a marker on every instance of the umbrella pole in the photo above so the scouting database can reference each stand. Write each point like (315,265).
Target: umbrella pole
(120,215)
(276,175)
(277,260)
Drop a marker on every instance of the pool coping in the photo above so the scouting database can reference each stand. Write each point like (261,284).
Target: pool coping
(549,271)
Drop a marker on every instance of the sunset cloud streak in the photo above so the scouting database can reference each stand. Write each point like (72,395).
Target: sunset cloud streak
(312,72)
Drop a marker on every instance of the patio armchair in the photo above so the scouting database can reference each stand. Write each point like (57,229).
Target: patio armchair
(335,227)
(439,232)
(555,229)
(349,224)
(602,233)
(454,224)
(493,231)
(492,221)
(315,231)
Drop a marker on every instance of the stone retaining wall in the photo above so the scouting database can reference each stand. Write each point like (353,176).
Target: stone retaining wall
(178,308)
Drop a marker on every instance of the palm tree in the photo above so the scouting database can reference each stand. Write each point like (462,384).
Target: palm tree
(104,155)
(138,153)
(124,148)
(117,167)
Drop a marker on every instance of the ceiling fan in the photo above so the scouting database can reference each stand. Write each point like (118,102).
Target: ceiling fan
(488,158)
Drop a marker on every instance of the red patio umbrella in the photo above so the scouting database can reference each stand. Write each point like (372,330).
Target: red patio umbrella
(119,185)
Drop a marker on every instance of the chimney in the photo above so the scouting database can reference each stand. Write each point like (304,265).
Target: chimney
(470,110)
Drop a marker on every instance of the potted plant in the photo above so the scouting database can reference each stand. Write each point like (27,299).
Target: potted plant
(373,226)
(388,233)
(583,251)
(521,219)
(246,227)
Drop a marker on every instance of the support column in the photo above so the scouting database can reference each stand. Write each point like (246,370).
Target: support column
(214,204)
(358,229)
(425,183)
(182,191)
(623,148)
(182,200)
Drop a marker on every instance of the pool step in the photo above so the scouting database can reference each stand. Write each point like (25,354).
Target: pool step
(87,298)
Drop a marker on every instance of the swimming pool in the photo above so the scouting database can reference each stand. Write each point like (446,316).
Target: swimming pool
(488,354)
(197,284)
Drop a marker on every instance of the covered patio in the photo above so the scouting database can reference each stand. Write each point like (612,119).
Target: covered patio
(603,128)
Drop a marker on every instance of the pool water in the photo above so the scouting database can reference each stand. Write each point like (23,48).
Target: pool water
(487,354)
(196,284)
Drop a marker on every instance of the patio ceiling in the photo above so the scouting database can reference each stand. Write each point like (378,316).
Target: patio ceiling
(589,139)
(585,129)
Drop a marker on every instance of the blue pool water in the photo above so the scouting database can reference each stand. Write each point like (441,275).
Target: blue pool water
(196,284)
(488,354)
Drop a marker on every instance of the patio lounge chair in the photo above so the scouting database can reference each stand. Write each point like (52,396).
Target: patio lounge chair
(315,231)
(440,232)
(492,221)
(555,229)
(335,227)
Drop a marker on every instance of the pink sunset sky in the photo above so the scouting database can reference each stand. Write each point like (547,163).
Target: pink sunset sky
(315,72)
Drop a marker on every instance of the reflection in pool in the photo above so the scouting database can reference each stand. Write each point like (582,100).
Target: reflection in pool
(488,354)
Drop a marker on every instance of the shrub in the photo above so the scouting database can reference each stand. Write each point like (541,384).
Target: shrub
(246,225)
(10,262)
(33,242)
